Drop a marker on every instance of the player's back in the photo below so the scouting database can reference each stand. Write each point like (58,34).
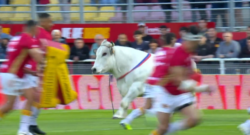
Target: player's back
(18,55)
(162,59)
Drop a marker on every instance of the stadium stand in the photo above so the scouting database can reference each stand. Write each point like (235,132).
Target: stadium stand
(54,2)
(55,16)
(78,1)
(90,16)
(104,16)
(118,16)
(140,16)
(156,16)
(74,16)
(20,2)
(6,16)
(21,16)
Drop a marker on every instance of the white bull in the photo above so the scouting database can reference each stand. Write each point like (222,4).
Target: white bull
(120,61)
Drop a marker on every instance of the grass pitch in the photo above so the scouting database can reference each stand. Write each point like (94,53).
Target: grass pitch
(99,122)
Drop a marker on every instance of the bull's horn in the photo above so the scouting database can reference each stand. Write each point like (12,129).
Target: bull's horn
(113,44)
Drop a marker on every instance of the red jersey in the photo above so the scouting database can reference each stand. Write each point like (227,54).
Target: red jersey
(42,34)
(162,59)
(31,65)
(180,58)
(17,54)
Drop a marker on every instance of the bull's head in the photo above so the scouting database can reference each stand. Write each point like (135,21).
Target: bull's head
(104,58)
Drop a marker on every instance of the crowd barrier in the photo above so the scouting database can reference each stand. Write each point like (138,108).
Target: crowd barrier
(94,92)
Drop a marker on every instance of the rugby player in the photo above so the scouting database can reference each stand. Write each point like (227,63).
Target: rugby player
(177,89)
(162,58)
(20,50)
(43,33)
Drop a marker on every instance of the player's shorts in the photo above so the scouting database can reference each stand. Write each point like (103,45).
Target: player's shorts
(11,84)
(150,91)
(168,103)
(31,81)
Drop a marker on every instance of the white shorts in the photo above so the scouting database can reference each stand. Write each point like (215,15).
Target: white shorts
(31,81)
(168,103)
(150,91)
(11,84)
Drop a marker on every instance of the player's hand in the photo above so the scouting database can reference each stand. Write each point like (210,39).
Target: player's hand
(197,58)
(41,67)
(210,89)
(222,56)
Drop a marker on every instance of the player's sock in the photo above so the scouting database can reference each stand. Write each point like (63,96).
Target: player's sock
(248,123)
(176,126)
(1,114)
(25,121)
(248,110)
(35,113)
(134,114)
(154,132)
(150,111)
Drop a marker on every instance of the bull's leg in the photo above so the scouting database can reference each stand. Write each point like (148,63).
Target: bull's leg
(134,91)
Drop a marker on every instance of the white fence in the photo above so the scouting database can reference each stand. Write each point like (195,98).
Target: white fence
(207,66)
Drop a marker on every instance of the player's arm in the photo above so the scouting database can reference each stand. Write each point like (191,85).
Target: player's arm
(186,83)
(38,56)
(180,77)
(163,81)
(28,71)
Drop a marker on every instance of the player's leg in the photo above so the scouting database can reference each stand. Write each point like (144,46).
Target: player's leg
(191,119)
(26,112)
(136,113)
(8,106)
(10,90)
(163,119)
(164,107)
(35,113)
(245,127)
(33,84)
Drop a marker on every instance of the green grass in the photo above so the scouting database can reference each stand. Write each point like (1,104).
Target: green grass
(95,122)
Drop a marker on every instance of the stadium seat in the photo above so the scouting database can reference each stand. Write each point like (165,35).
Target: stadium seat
(90,16)
(156,16)
(105,16)
(118,16)
(78,1)
(140,16)
(75,16)
(21,16)
(55,16)
(20,1)
(6,16)
(54,1)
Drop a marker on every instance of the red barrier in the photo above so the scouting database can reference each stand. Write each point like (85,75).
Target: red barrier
(94,92)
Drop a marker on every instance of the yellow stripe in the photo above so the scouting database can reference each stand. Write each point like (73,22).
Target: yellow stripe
(154,132)
(142,110)
(197,70)
(26,112)
(36,105)
(1,114)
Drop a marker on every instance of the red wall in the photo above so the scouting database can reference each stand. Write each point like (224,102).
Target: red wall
(233,92)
